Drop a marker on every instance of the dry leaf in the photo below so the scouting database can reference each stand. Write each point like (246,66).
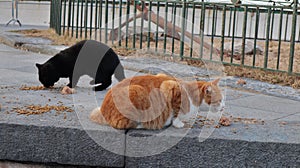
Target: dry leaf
(224,121)
(241,82)
(24,87)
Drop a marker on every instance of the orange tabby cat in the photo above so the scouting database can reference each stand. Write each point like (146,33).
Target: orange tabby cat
(153,101)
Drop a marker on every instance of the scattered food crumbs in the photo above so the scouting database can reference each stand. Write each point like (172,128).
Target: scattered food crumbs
(224,121)
(67,90)
(24,87)
(65,116)
(217,126)
(283,123)
(38,109)
(241,82)
(233,130)
(248,120)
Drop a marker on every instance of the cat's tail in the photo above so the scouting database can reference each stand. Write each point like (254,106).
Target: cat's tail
(96,116)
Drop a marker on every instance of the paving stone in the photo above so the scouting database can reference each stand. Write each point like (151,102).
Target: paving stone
(268,103)
(231,150)
(51,144)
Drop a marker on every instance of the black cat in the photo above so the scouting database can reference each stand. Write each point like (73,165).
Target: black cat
(87,57)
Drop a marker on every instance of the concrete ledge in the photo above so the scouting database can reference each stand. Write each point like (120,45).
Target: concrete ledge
(72,146)
(216,151)
(45,144)
(33,44)
(5,39)
(43,49)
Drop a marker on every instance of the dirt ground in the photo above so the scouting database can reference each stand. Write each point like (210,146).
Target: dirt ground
(240,71)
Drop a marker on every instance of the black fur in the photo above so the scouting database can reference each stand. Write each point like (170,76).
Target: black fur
(62,66)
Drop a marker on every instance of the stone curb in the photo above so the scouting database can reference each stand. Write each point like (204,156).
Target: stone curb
(189,152)
(48,144)
(42,49)
(68,146)
(7,40)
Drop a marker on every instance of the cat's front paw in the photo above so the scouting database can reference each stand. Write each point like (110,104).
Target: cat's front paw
(177,123)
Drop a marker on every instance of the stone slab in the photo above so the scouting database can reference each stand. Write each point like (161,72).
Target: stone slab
(268,103)
(50,144)
(224,148)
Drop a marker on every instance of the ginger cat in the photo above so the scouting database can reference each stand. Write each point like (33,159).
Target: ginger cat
(153,101)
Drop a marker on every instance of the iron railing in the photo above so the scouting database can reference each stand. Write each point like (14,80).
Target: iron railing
(252,35)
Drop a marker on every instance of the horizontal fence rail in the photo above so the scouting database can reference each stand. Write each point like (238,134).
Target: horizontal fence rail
(257,36)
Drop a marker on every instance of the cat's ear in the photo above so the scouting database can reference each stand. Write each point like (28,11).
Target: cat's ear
(216,81)
(207,89)
(38,65)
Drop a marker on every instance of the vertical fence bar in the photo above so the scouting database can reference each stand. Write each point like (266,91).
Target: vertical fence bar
(212,32)
(272,25)
(53,5)
(55,15)
(81,19)
(232,36)
(77,19)
(58,25)
(183,27)
(91,18)
(267,39)
(286,25)
(255,35)
(73,15)
(113,22)
(142,25)
(223,32)
(64,17)
(120,23)
(106,22)
(134,24)
(69,16)
(149,26)
(127,24)
(298,35)
(100,19)
(85,18)
(156,34)
(244,34)
(279,38)
(96,19)
(193,24)
(293,36)
(173,28)
(166,27)
(230,18)
(201,33)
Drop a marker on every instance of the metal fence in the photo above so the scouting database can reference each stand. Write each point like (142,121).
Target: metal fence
(258,36)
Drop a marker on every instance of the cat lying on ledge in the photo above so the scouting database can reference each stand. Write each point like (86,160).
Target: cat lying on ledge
(87,57)
(154,101)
